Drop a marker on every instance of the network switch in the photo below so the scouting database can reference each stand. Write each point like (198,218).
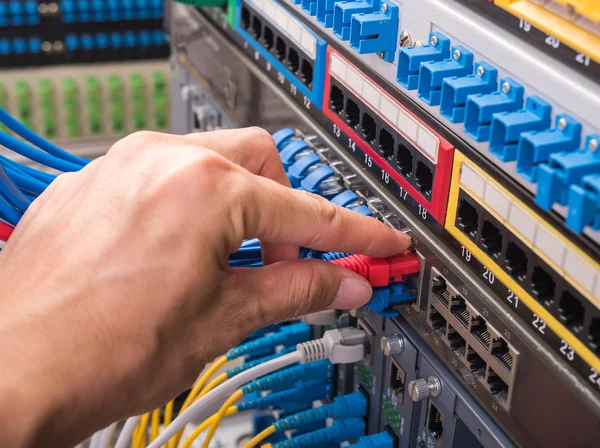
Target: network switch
(446,140)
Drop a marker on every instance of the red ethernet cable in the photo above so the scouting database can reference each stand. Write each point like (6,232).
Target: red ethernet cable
(378,271)
(6,231)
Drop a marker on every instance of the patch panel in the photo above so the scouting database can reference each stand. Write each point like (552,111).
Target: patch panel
(74,101)
(546,271)
(489,357)
(418,159)
(291,48)
(82,11)
(67,31)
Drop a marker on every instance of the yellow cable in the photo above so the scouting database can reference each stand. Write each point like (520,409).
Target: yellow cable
(195,391)
(260,437)
(220,379)
(141,431)
(194,435)
(155,424)
(168,417)
(235,397)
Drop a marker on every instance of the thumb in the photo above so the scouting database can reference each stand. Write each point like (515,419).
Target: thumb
(294,288)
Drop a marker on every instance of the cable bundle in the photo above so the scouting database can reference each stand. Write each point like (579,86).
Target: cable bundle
(20,185)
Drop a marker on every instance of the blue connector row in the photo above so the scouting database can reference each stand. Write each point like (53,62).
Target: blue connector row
(288,335)
(285,378)
(114,40)
(301,395)
(517,128)
(379,440)
(19,13)
(83,11)
(19,46)
(340,431)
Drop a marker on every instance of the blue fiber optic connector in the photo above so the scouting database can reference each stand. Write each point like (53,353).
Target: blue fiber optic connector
(455,90)
(318,370)
(433,73)
(340,431)
(507,127)
(379,440)
(565,169)
(535,147)
(287,335)
(310,7)
(411,58)
(376,32)
(325,12)
(343,407)
(584,204)
(344,11)
(293,151)
(480,108)
(301,394)
(283,137)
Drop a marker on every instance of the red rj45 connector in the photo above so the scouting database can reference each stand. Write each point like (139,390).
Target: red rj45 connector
(382,271)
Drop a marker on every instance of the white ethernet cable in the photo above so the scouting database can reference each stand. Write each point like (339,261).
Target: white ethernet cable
(106,436)
(339,346)
(127,432)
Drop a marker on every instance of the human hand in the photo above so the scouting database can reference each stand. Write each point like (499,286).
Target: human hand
(116,288)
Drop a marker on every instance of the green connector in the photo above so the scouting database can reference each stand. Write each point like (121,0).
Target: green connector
(139,113)
(115,88)
(93,99)
(138,86)
(69,91)
(363,373)
(159,81)
(390,412)
(46,91)
(117,120)
(23,94)
(161,112)
(48,120)
(92,88)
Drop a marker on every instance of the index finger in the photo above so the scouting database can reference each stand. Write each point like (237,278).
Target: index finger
(284,216)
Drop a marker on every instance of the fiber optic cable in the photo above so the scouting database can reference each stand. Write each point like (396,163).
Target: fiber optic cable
(11,192)
(261,436)
(155,424)
(220,362)
(37,155)
(8,213)
(168,415)
(140,433)
(232,399)
(36,174)
(14,125)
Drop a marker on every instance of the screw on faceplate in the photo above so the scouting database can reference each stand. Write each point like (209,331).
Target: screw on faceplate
(505,87)
(562,124)
(456,55)
(593,145)
(418,44)
(384,8)
(405,39)
(434,40)
(480,71)
(381,55)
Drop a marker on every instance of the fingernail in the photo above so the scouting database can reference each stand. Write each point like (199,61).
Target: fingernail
(353,293)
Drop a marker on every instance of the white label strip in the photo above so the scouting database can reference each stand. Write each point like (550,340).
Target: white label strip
(287,24)
(537,235)
(421,137)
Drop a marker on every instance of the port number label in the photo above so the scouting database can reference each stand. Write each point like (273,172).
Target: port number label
(539,324)
(269,66)
(422,212)
(489,275)
(512,299)
(385,177)
(583,59)
(524,25)
(336,130)
(352,145)
(293,89)
(552,41)
(466,253)
(403,193)
(280,77)
(594,377)
(308,103)
(368,161)
(567,350)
